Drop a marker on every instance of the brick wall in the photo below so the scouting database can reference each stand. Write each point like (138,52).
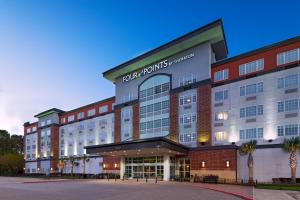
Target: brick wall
(54,149)
(136,121)
(117,125)
(174,125)
(110,161)
(204,115)
(214,159)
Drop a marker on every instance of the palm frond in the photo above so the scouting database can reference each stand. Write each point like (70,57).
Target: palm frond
(291,144)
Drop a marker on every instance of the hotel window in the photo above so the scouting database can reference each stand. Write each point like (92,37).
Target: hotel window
(288,56)
(221,136)
(43,123)
(187,79)
(251,111)
(290,81)
(252,133)
(91,126)
(34,129)
(91,112)
(103,122)
(126,98)
(221,95)
(154,106)
(221,116)
(288,105)
(187,137)
(251,67)
(80,127)
(103,137)
(63,120)
(221,75)
(188,99)
(80,115)
(251,89)
(48,122)
(71,118)
(126,114)
(103,109)
(188,118)
(288,130)
(28,130)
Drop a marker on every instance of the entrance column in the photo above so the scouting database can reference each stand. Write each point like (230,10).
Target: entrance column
(122,167)
(166,167)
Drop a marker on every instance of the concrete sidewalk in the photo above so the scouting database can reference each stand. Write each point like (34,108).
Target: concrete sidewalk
(262,194)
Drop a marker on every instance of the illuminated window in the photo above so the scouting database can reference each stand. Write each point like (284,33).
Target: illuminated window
(221,116)
(221,136)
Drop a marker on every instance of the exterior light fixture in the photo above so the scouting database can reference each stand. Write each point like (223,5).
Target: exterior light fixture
(270,140)
(51,169)
(38,169)
(203,163)
(104,166)
(115,165)
(227,163)
(233,143)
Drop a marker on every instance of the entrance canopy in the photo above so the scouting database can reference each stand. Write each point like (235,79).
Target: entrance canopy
(151,146)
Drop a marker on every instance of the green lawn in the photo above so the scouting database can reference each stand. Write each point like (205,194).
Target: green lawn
(278,187)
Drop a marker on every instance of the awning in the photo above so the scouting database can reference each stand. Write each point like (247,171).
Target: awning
(151,146)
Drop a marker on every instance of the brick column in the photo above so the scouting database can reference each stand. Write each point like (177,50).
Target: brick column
(38,156)
(174,124)
(54,149)
(135,121)
(117,125)
(204,115)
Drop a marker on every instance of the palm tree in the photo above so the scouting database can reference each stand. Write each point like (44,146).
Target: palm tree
(72,162)
(291,146)
(84,158)
(249,148)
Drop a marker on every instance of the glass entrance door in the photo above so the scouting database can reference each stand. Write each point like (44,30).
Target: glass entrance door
(149,171)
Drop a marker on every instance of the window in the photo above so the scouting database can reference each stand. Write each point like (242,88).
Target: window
(280,130)
(91,112)
(221,75)
(289,81)
(63,120)
(288,130)
(28,130)
(221,95)
(187,79)
(288,105)
(80,127)
(221,116)
(187,137)
(251,111)
(252,133)
(188,118)
(34,129)
(188,99)
(126,114)
(43,123)
(288,56)
(103,109)
(165,122)
(80,115)
(103,122)
(48,122)
(251,67)
(91,126)
(165,104)
(291,130)
(221,136)
(251,89)
(71,118)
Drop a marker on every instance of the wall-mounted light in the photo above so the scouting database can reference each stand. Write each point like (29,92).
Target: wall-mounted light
(38,169)
(51,169)
(24,168)
(270,140)
(203,163)
(227,163)
(104,166)
(115,165)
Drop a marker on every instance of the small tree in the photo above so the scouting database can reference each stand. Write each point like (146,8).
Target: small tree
(291,146)
(72,162)
(84,158)
(249,148)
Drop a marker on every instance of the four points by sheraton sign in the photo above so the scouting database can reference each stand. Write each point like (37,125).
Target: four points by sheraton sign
(155,67)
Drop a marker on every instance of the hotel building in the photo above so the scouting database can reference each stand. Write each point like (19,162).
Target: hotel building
(181,109)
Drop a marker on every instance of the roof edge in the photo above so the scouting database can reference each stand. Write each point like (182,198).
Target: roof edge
(258,50)
(168,44)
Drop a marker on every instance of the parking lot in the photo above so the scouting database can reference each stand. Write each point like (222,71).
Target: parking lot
(58,189)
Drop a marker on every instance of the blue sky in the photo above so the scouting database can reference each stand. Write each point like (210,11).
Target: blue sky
(53,52)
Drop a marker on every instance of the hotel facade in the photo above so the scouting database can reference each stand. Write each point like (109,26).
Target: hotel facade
(182,109)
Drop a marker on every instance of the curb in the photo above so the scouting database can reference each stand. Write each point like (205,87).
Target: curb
(41,181)
(230,193)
